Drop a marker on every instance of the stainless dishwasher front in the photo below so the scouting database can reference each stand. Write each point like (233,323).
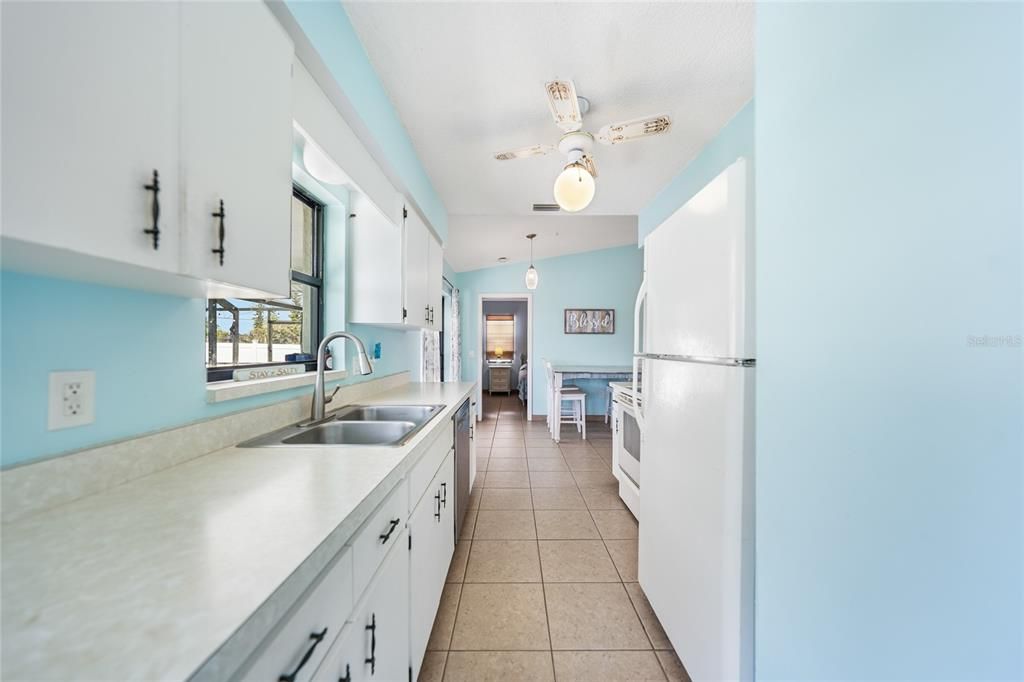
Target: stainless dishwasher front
(463,451)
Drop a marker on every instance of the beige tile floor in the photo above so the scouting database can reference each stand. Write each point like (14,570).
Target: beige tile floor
(543,582)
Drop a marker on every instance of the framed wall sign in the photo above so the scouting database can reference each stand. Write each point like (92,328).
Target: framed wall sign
(589,321)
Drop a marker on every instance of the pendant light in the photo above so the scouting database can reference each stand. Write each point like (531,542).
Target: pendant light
(531,273)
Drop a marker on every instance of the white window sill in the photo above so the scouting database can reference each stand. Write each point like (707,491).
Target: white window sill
(220,391)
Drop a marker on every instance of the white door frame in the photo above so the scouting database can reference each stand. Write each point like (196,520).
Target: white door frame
(480,347)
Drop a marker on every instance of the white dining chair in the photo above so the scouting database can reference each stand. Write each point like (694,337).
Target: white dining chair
(566,405)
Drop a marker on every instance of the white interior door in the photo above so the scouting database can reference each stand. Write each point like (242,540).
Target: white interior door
(90,110)
(696,502)
(237,143)
(700,275)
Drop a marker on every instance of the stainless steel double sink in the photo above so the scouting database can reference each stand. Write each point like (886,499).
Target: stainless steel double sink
(387,425)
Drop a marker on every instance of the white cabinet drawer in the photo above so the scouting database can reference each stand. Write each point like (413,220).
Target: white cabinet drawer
(375,645)
(302,640)
(423,471)
(372,542)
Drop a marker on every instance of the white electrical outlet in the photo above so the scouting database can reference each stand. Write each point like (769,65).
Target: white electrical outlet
(72,399)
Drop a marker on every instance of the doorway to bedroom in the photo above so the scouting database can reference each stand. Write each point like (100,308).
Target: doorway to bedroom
(506,347)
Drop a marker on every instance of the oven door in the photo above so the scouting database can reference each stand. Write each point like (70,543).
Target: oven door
(629,453)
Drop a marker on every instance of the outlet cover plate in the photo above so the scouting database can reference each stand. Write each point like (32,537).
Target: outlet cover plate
(72,399)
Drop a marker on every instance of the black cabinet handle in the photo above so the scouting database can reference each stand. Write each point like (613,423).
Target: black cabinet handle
(348,675)
(372,660)
(437,499)
(220,214)
(444,490)
(317,637)
(384,537)
(154,187)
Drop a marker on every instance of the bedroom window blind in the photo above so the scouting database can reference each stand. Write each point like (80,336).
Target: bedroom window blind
(500,333)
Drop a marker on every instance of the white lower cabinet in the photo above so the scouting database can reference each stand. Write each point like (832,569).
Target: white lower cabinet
(374,645)
(300,643)
(432,535)
(370,614)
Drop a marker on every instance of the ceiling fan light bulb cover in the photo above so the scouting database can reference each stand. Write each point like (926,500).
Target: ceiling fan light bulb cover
(574,188)
(532,278)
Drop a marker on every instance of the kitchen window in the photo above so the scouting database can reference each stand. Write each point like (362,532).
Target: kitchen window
(247,333)
(500,335)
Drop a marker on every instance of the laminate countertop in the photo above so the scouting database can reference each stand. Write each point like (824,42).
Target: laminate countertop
(182,573)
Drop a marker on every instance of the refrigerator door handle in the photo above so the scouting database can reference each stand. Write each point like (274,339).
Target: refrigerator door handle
(638,403)
(702,360)
(641,294)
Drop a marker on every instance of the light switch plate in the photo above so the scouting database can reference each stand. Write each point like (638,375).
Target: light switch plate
(72,399)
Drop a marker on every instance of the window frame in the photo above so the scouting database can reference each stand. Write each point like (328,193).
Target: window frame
(499,317)
(314,281)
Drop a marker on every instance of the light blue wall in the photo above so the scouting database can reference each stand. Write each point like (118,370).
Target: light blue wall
(889,447)
(331,33)
(146,350)
(736,139)
(608,278)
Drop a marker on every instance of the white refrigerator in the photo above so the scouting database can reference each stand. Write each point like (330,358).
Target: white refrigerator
(695,351)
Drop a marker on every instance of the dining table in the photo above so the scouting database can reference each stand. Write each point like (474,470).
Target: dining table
(566,372)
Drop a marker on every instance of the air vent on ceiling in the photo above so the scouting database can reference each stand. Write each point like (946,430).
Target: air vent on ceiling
(546,208)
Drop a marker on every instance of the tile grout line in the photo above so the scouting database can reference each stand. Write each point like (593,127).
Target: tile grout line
(543,583)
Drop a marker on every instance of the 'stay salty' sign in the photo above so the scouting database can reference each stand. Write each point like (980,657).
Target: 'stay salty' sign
(267,372)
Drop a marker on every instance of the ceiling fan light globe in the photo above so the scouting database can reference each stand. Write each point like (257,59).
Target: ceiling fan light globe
(574,188)
(532,278)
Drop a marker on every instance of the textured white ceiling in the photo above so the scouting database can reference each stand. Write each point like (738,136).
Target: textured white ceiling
(467,80)
(478,241)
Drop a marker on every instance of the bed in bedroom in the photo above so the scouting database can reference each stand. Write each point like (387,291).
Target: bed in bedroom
(524,374)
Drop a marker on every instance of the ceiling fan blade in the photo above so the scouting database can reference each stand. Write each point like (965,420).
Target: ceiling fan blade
(525,152)
(588,162)
(614,133)
(565,107)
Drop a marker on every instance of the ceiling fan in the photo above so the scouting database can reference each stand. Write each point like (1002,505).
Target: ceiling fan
(574,186)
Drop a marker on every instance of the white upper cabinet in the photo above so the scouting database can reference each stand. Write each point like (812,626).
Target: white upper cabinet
(374,265)
(236,116)
(417,293)
(435,276)
(100,95)
(90,104)
(395,272)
